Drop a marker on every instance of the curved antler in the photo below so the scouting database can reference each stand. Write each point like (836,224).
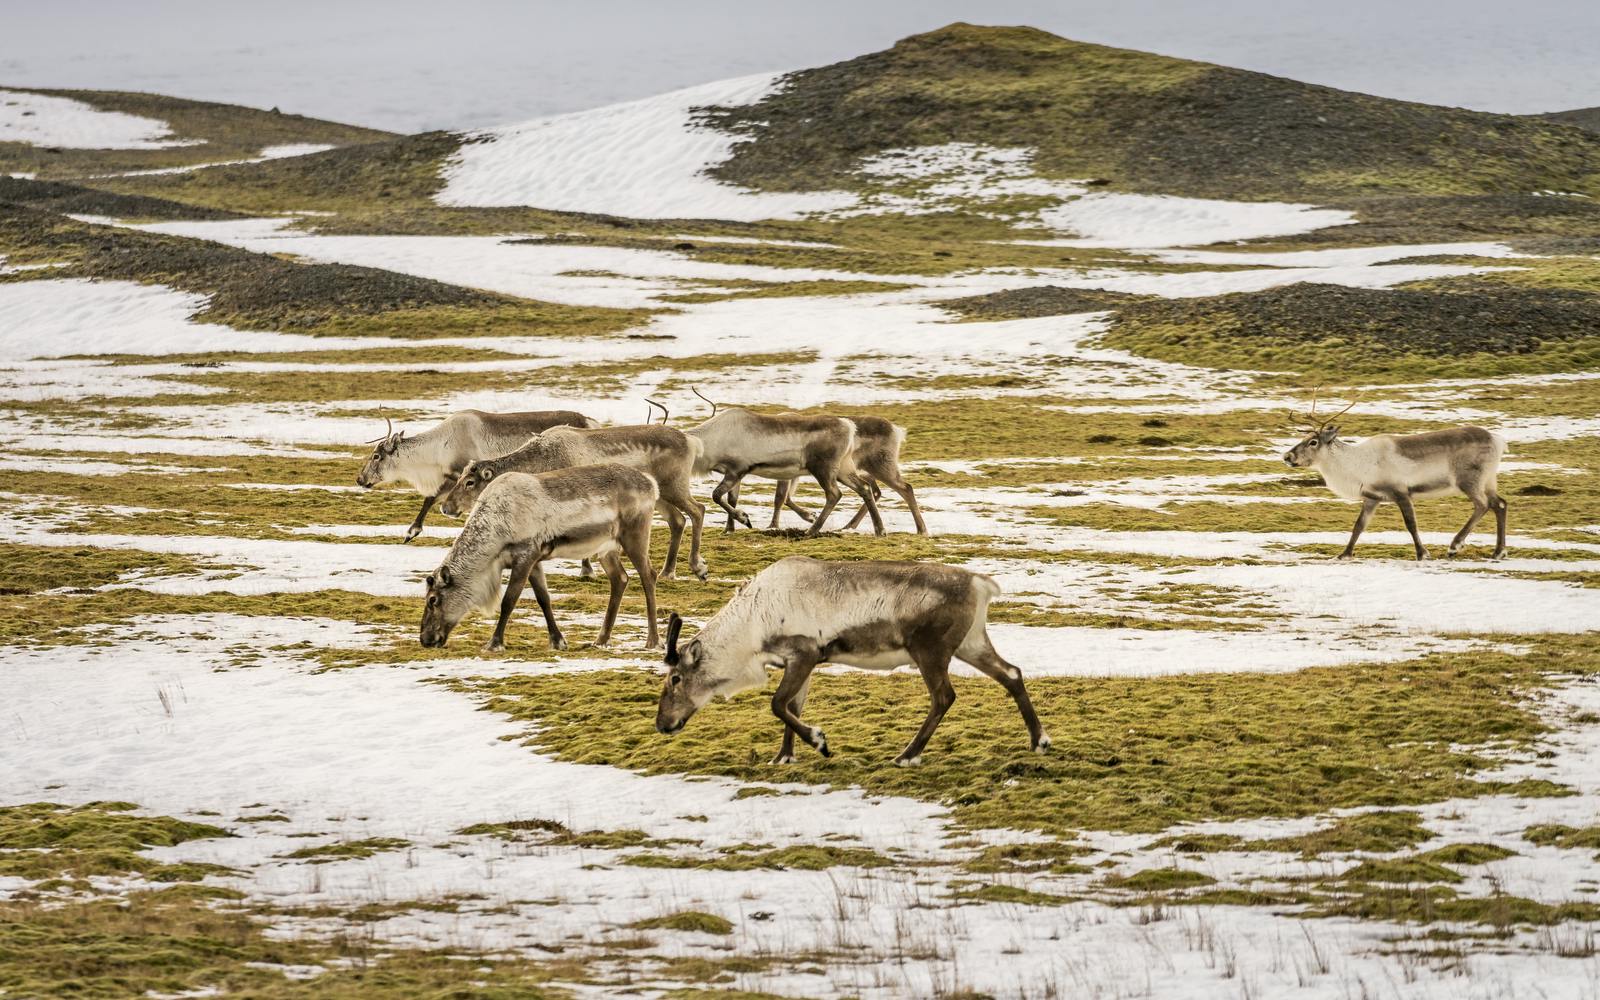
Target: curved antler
(663,409)
(697,392)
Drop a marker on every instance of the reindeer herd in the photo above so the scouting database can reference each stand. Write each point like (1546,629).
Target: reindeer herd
(556,485)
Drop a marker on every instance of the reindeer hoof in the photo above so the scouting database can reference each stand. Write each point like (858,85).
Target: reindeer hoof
(1043,744)
(819,739)
(702,572)
(1423,556)
(904,761)
(494,647)
(558,642)
(783,758)
(410,534)
(1344,556)
(1498,554)
(667,574)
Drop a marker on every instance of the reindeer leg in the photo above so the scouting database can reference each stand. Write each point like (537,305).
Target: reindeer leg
(1010,678)
(675,520)
(508,601)
(864,487)
(1480,507)
(541,593)
(796,678)
(934,664)
(427,505)
(585,570)
(636,543)
(1499,504)
(797,705)
(790,502)
(1368,505)
(780,493)
(830,488)
(900,486)
(1403,501)
(612,564)
(678,496)
(730,484)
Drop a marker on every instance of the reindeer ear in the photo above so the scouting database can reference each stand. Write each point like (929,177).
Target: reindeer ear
(444,576)
(1329,433)
(486,473)
(674,626)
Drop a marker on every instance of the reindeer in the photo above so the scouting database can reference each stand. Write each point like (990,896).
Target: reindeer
(430,461)
(586,512)
(1402,467)
(800,612)
(738,443)
(665,454)
(877,457)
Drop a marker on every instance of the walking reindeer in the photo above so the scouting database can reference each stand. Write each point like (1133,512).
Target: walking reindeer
(430,461)
(738,443)
(877,460)
(665,454)
(589,512)
(800,612)
(1400,468)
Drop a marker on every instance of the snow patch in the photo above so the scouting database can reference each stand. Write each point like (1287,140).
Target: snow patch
(1113,219)
(643,159)
(41,120)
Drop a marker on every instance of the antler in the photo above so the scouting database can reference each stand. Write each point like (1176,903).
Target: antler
(1311,417)
(388,431)
(658,406)
(697,392)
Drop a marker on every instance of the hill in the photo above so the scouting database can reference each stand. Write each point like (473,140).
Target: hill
(68,134)
(1588,118)
(975,123)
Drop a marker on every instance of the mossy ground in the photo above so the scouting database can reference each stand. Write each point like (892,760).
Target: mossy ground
(1135,755)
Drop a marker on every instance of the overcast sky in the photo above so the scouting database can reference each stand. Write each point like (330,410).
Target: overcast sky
(409,65)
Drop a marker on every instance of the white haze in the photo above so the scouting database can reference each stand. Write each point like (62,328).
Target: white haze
(408,66)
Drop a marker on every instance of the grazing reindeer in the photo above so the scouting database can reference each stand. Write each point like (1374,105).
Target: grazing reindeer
(1401,467)
(877,458)
(430,461)
(800,612)
(591,511)
(665,454)
(738,443)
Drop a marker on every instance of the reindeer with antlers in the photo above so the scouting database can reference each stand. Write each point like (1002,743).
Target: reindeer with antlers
(431,461)
(1402,467)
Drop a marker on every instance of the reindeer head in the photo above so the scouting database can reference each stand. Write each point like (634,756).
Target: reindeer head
(463,496)
(380,468)
(1322,433)
(448,601)
(686,688)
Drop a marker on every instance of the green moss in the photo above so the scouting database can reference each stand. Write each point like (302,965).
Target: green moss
(1375,832)
(686,920)
(348,849)
(998,893)
(1041,856)
(1406,871)
(176,940)
(1559,835)
(1439,904)
(1156,879)
(42,840)
(34,568)
(802,857)
(1137,754)
(1467,854)
(1468,328)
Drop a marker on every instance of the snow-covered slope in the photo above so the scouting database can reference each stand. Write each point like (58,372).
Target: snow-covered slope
(643,159)
(40,120)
